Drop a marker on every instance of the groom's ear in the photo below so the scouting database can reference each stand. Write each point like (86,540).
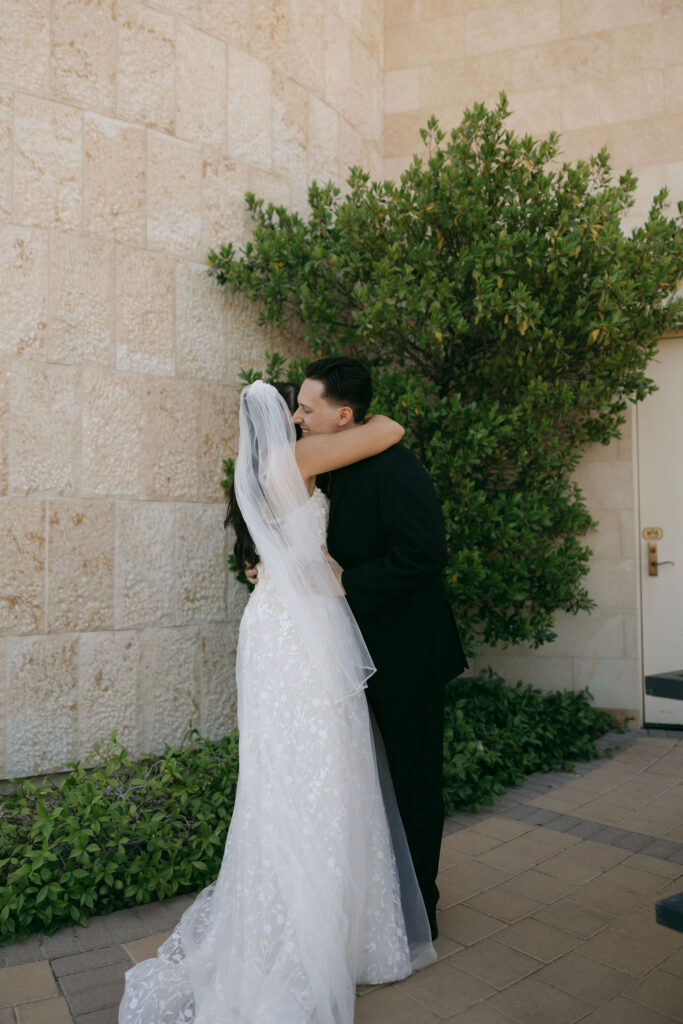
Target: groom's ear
(344,415)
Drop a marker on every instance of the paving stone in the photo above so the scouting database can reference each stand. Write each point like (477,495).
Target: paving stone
(60,944)
(94,934)
(606,809)
(585,829)
(124,925)
(518,854)
(158,915)
(95,978)
(391,1006)
(504,904)
(519,813)
(574,918)
(663,849)
(542,817)
(44,1011)
(36,979)
(561,801)
(677,858)
(470,842)
(633,841)
(579,864)
(609,835)
(538,886)
(451,890)
(80,962)
(642,924)
(624,952)
(444,988)
(145,949)
(473,876)
(666,868)
(462,818)
(633,880)
(467,926)
(537,939)
(450,855)
(500,828)
(565,823)
(604,897)
(586,979)
(549,836)
(674,963)
(450,829)
(530,1001)
(495,963)
(661,991)
(625,1011)
(481,1014)
(108,1015)
(672,889)
(7,1015)
(23,952)
(502,809)
(98,998)
(445,947)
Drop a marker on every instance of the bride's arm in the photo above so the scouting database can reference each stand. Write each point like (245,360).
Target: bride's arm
(320,453)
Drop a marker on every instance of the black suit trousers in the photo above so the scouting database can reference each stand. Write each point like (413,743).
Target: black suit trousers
(412,731)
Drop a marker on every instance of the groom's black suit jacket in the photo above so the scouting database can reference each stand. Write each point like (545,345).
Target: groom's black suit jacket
(386,530)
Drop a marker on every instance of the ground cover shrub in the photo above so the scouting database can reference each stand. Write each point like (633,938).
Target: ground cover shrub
(128,832)
(110,836)
(497,734)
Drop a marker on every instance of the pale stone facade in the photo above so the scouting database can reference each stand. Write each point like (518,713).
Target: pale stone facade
(603,73)
(129,133)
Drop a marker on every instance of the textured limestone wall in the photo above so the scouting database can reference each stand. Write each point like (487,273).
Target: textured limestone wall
(600,650)
(603,73)
(129,132)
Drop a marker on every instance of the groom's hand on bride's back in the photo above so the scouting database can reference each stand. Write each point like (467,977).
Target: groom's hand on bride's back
(251,572)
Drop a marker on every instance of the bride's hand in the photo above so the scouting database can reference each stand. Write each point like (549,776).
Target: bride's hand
(335,567)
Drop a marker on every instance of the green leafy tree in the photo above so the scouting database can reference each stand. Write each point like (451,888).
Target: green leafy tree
(508,321)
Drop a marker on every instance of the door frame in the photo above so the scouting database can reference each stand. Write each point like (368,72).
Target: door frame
(673,335)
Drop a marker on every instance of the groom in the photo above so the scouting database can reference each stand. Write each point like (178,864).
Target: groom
(387,542)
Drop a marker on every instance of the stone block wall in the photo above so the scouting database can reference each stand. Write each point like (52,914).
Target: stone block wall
(129,133)
(603,73)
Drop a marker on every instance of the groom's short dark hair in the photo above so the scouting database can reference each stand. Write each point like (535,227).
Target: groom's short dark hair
(345,381)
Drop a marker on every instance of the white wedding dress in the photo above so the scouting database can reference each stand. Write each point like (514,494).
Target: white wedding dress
(308,902)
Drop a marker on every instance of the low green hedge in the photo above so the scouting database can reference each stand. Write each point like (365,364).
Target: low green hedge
(123,833)
(497,734)
(129,832)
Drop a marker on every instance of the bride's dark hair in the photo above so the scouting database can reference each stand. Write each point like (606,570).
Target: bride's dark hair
(244,550)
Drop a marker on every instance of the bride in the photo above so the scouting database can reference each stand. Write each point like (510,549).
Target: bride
(316,892)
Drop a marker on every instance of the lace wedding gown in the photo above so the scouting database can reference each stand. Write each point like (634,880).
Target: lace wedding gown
(308,902)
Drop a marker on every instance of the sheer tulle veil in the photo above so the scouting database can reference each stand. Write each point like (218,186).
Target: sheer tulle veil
(276,507)
(280,517)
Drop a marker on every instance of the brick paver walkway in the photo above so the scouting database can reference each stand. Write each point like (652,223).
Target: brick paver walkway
(546,913)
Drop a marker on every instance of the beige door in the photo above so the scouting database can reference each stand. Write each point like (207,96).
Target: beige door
(660,476)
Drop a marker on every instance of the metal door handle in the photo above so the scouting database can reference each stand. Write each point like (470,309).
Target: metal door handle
(653,564)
